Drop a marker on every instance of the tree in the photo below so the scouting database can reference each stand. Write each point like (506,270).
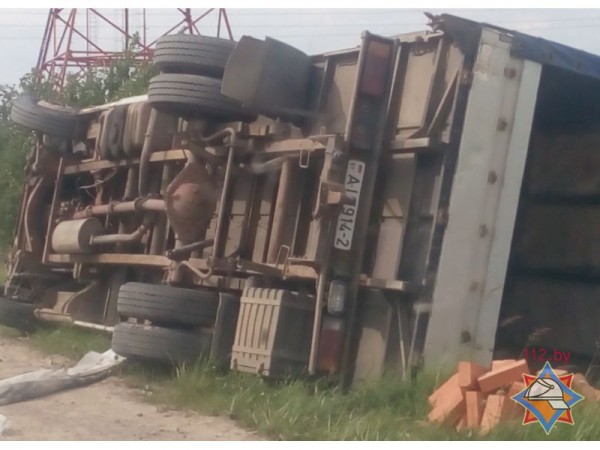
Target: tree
(14,146)
(125,77)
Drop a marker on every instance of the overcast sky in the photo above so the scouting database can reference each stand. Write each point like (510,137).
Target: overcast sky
(311,30)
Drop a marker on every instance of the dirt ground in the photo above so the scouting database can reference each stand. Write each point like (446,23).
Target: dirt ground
(108,410)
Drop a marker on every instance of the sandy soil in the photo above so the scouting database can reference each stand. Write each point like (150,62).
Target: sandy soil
(108,410)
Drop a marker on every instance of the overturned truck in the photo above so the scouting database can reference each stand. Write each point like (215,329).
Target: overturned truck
(417,200)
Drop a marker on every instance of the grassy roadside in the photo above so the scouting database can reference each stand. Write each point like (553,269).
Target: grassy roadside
(302,409)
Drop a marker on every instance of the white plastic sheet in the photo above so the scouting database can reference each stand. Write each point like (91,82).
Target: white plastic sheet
(91,368)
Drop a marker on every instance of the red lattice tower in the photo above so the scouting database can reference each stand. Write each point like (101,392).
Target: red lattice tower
(68,44)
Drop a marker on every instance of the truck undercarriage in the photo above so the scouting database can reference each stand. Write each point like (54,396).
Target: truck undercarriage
(340,214)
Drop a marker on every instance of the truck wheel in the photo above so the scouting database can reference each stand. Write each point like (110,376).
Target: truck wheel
(44,119)
(165,305)
(159,344)
(192,95)
(17,315)
(199,55)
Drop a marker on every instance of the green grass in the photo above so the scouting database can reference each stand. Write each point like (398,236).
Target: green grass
(388,409)
(303,409)
(69,341)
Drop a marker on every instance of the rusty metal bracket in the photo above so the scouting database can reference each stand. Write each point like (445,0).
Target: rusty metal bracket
(198,272)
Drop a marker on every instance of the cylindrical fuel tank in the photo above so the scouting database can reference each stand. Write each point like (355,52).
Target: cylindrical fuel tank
(73,236)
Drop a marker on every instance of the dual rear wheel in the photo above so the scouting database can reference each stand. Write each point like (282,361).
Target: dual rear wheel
(190,83)
(176,322)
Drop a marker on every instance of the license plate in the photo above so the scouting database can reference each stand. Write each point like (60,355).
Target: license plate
(347,218)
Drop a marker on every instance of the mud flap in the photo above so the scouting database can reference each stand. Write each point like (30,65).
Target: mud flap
(267,76)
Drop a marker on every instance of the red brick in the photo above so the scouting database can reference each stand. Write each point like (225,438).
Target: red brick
(492,412)
(502,362)
(502,376)
(444,389)
(468,372)
(448,408)
(474,406)
(512,410)
(515,388)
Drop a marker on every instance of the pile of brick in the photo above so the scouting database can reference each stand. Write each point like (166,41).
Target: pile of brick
(480,397)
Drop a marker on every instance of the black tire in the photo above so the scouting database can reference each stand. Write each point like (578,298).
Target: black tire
(199,55)
(194,95)
(159,344)
(17,315)
(165,305)
(27,113)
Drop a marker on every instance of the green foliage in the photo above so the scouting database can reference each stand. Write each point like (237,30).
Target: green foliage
(125,77)
(14,146)
(40,87)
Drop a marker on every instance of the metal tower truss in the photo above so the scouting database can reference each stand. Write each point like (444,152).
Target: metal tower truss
(70,43)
